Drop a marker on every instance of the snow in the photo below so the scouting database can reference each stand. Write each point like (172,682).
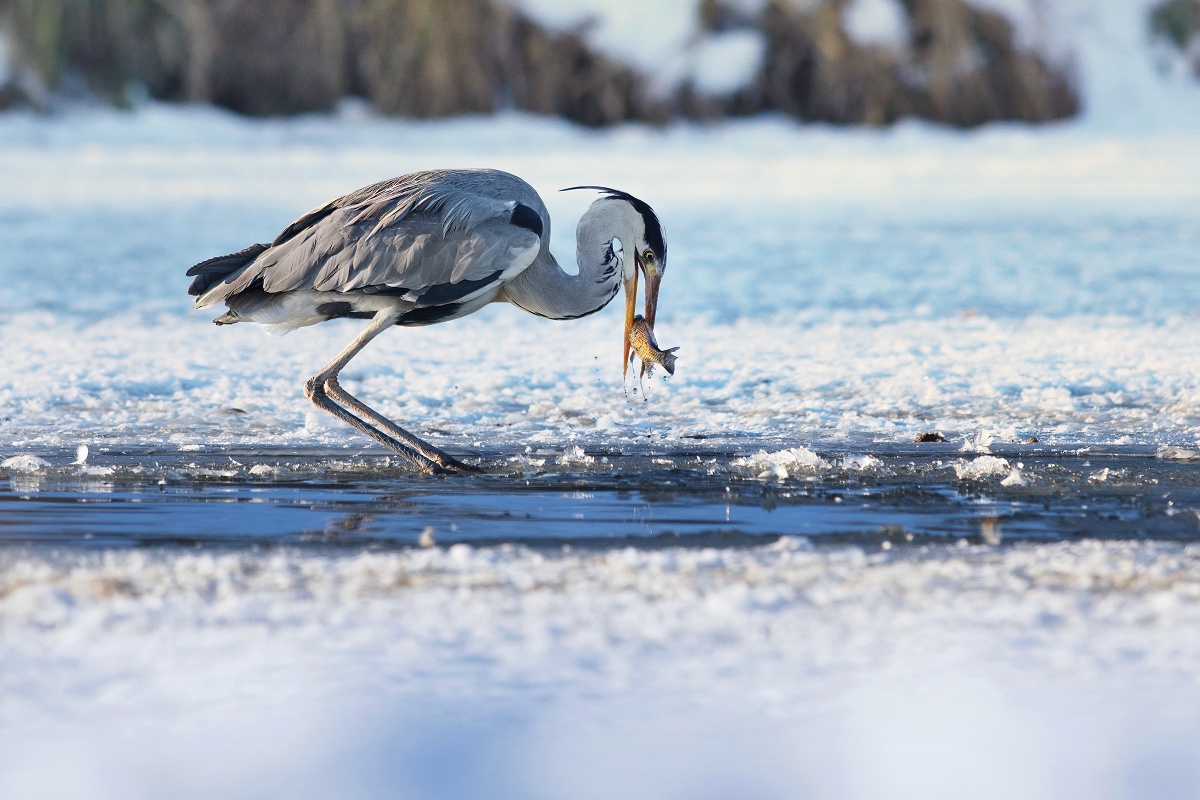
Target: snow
(882,23)
(661,38)
(726,62)
(768,672)
(651,35)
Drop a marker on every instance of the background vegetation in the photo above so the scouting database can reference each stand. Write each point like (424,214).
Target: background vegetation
(432,58)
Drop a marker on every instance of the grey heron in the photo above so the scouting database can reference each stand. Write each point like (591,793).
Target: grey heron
(426,248)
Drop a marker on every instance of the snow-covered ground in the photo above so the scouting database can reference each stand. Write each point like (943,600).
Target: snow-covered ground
(1043,672)
(826,287)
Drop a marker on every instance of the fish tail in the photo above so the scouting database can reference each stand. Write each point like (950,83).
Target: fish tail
(668,360)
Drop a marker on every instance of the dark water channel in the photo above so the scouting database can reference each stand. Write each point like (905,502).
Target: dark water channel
(692,498)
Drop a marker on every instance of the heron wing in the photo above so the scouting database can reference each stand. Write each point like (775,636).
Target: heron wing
(429,244)
(410,258)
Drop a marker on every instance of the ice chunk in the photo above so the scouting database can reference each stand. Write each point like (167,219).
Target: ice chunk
(782,463)
(24,463)
(575,455)
(981,467)
(1015,478)
(861,463)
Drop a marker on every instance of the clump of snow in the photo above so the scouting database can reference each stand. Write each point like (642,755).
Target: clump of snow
(881,23)
(861,463)
(575,455)
(788,544)
(726,62)
(661,39)
(782,463)
(1015,478)
(651,35)
(981,467)
(24,463)
(981,442)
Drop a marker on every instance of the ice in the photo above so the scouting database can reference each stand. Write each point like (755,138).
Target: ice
(1178,453)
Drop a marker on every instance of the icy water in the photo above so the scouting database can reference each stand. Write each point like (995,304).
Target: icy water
(749,581)
(899,495)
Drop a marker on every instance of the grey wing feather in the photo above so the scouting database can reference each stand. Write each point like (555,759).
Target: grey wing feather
(404,237)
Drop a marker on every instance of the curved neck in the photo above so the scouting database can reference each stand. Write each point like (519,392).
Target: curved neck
(544,289)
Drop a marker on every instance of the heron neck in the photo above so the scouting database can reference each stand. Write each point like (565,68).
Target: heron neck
(546,290)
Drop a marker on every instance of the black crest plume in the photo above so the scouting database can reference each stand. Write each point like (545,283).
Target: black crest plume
(654,232)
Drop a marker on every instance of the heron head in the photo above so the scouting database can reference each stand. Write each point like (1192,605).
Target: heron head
(643,233)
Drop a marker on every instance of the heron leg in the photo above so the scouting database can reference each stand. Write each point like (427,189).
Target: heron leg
(325,393)
(435,454)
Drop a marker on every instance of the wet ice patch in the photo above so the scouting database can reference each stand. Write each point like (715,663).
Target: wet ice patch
(1177,453)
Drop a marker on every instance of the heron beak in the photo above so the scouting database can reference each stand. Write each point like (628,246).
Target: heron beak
(653,277)
(631,286)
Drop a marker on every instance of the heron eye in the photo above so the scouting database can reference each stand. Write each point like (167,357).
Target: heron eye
(648,257)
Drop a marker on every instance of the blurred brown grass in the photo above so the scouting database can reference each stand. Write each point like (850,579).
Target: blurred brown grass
(421,58)
(962,66)
(433,58)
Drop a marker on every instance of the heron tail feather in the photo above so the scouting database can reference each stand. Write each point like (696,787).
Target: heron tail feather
(209,273)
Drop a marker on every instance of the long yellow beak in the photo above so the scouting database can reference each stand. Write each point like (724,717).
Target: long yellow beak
(653,277)
(631,287)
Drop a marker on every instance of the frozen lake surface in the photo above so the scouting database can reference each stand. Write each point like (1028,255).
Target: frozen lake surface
(752,583)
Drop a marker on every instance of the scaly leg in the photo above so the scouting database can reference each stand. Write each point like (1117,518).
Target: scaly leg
(323,390)
(429,451)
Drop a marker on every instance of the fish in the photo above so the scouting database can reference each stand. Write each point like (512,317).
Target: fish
(641,338)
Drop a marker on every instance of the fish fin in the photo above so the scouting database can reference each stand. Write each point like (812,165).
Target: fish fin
(668,361)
